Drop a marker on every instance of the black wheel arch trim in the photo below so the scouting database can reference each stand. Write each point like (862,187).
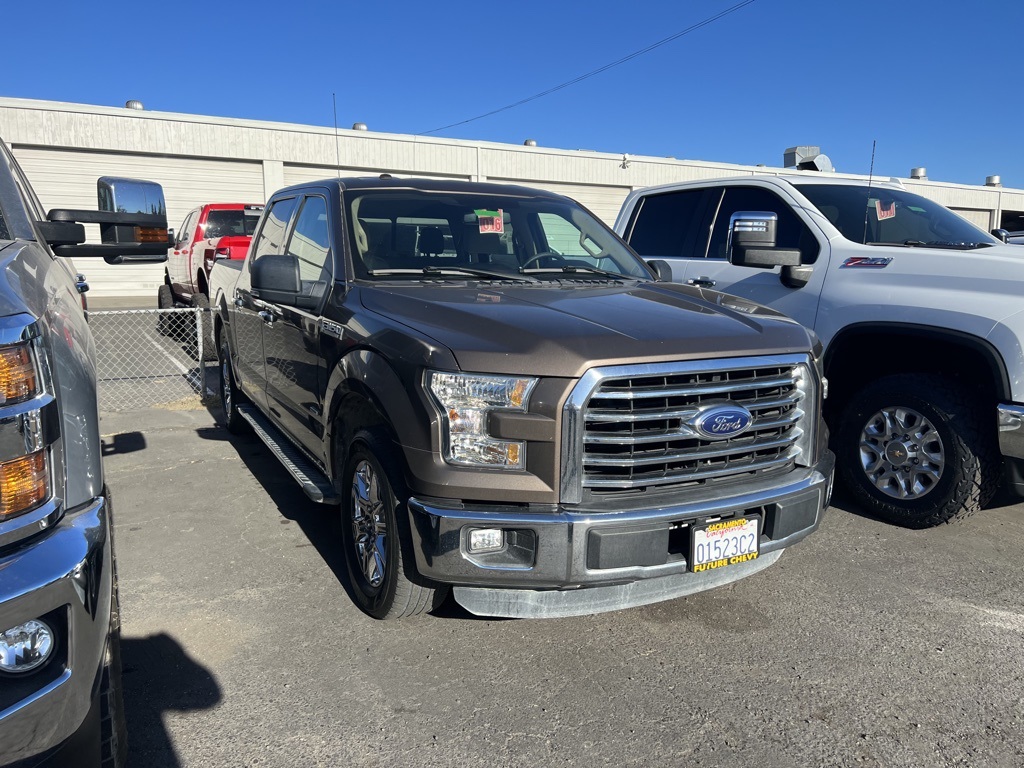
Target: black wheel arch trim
(983,347)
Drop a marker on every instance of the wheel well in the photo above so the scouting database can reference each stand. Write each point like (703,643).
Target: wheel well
(355,411)
(201,283)
(862,355)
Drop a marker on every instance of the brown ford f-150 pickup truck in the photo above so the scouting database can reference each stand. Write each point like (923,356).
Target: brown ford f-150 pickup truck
(506,401)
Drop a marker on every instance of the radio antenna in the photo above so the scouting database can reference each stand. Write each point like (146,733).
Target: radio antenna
(871,174)
(337,139)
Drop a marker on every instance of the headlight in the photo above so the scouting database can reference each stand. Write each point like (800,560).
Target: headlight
(465,401)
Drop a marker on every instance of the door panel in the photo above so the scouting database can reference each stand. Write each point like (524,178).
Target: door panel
(295,371)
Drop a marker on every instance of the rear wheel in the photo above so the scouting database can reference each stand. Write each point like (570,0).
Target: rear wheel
(230,396)
(373,497)
(916,450)
(201,303)
(165,300)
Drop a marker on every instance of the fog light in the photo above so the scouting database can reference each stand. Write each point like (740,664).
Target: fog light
(486,540)
(26,646)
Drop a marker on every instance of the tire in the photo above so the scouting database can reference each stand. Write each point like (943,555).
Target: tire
(230,395)
(113,729)
(201,303)
(164,300)
(918,450)
(380,577)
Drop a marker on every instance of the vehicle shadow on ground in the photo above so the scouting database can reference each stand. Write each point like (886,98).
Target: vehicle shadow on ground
(159,677)
(320,523)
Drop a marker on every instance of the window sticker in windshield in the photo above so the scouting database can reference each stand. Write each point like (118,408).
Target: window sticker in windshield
(491,221)
(880,262)
(885,210)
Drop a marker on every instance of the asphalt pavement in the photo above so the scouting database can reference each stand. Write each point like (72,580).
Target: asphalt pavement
(865,645)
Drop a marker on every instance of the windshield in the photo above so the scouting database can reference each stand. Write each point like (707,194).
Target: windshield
(885,216)
(232,223)
(415,233)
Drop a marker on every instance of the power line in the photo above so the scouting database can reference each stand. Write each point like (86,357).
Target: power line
(599,70)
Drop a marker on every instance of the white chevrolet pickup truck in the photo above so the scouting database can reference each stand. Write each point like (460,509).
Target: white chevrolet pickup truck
(920,313)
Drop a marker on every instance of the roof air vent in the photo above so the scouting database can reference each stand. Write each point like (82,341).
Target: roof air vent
(806,158)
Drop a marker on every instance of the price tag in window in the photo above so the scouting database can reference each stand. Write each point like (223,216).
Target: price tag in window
(885,210)
(491,221)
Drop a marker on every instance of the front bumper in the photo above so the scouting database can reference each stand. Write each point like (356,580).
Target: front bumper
(550,556)
(65,576)
(1010,419)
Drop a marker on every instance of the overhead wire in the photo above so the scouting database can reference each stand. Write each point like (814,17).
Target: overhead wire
(599,70)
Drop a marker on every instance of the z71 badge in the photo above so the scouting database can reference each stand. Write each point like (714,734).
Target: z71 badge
(879,262)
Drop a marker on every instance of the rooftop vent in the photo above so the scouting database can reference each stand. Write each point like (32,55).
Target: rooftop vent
(919,173)
(530,143)
(993,181)
(133,104)
(359,127)
(806,158)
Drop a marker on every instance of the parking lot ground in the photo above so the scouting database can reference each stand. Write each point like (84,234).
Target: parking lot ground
(866,645)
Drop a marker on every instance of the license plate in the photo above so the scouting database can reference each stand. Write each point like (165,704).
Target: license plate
(724,543)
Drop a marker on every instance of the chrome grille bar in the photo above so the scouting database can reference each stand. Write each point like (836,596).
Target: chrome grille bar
(629,427)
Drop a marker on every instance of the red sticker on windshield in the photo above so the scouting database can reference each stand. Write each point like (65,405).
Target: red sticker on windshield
(885,211)
(491,221)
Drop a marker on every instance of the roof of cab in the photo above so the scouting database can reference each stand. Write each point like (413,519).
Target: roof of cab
(426,185)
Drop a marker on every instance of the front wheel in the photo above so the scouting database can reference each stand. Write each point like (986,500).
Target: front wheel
(916,450)
(373,496)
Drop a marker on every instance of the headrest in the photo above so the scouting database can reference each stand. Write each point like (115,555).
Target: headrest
(431,240)
(474,241)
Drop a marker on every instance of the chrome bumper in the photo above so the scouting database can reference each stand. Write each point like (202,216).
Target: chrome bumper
(1010,419)
(66,576)
(554,554)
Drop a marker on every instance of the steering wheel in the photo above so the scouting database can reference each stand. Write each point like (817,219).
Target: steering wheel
(544,255)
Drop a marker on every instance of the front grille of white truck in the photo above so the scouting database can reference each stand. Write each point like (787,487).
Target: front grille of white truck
(630,428)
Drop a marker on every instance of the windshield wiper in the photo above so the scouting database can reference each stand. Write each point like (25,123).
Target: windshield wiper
(432,270)
(569,269)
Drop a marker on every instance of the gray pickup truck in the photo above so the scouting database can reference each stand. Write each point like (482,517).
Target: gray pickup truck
(505,401)
(60,694)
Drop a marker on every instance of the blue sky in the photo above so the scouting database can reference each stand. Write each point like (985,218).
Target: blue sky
(931,80)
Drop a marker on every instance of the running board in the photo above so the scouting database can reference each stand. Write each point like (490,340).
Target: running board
(314,482)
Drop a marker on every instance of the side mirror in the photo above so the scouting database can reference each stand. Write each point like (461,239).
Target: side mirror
(662,269)
(1001,234)
(751,242)
(133,224)
(275,278)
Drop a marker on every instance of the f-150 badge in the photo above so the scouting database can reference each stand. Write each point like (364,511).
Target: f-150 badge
(879,262)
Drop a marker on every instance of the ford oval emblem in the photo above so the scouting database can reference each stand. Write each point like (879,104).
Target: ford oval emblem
(719,422)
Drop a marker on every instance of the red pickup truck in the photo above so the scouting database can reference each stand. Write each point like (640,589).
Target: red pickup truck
(209,232)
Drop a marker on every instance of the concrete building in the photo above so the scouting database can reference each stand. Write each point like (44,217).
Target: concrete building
(64,148)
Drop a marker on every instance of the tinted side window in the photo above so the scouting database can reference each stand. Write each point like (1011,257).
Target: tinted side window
(791,232)
(664,223)
(310,243)
(275,228)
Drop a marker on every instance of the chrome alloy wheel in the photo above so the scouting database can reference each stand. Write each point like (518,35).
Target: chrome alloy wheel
(901,453)
(369,527)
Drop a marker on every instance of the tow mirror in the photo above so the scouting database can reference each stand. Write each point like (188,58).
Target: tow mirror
(1001,234)
(133,224)
(751,242)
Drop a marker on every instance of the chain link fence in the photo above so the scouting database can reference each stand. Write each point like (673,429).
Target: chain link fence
(148,358)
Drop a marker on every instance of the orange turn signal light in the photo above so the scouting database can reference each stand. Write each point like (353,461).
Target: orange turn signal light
(24,484)
(150,235)
(18,379)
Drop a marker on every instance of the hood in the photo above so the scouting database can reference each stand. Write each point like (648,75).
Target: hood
(559,329)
